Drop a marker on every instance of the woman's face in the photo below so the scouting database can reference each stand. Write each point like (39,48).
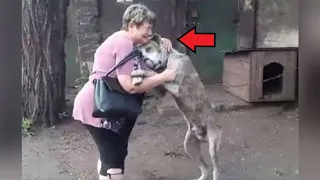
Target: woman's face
(141,34)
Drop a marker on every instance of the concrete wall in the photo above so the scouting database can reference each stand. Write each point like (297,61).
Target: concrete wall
(277,23)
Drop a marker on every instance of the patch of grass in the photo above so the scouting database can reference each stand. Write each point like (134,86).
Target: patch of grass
(27,127)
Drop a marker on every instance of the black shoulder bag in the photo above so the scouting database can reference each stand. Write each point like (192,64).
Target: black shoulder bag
(111,100)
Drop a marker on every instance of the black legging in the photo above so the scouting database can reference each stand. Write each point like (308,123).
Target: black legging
(113,147)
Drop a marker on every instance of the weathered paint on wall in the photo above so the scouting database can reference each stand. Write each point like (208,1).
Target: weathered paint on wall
(216,16)
(277,23)
(246,24)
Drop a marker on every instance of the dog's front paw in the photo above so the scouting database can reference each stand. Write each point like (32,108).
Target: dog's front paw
(136,81)
(137,76)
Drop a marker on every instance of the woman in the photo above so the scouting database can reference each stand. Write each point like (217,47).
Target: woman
(137,26)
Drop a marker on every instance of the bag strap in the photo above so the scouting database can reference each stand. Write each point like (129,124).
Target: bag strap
(134,53)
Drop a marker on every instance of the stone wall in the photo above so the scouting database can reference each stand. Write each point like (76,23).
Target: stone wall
(88,33)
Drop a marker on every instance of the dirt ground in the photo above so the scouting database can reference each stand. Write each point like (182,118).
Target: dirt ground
(258,144)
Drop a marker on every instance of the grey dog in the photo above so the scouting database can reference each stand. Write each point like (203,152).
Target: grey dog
(191,99)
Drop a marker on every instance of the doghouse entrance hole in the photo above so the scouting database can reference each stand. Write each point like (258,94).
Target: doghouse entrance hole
(272,86)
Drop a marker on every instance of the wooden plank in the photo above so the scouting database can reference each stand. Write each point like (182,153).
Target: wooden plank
(236,84)
(239,65)
(290,76)
(255,93)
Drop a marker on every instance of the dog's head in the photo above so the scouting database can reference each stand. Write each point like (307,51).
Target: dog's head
(155,55)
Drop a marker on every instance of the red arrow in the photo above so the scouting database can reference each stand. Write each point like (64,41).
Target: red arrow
(191,39)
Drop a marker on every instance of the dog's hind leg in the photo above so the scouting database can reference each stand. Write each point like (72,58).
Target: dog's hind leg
(192,147)
(214,138)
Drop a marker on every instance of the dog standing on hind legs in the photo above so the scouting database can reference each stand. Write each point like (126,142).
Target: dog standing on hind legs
(196,135)
(191,99)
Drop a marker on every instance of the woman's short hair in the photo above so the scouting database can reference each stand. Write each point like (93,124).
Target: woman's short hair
(137,14)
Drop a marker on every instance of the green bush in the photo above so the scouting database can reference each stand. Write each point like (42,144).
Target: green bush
(26,127)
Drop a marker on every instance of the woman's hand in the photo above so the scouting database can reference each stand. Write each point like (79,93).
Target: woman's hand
(167,44)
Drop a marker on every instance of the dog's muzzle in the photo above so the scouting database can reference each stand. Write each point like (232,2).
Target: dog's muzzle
(150,64)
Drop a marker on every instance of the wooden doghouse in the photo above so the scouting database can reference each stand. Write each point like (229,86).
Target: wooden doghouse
(260,75)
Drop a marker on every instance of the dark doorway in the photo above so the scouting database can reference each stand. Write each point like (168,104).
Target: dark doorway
(272,79)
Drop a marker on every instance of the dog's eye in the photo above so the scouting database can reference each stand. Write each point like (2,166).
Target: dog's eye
(148,49)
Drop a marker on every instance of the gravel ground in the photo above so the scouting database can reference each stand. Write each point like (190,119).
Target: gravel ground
(258,144)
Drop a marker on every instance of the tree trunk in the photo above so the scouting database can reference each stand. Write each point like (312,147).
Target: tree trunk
(43,60)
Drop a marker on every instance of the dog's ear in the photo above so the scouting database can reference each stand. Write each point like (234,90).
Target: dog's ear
(156,37)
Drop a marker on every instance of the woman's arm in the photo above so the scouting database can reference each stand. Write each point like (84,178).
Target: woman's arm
(147,84)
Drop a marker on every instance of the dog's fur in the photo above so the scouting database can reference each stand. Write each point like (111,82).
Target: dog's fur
(191,99)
